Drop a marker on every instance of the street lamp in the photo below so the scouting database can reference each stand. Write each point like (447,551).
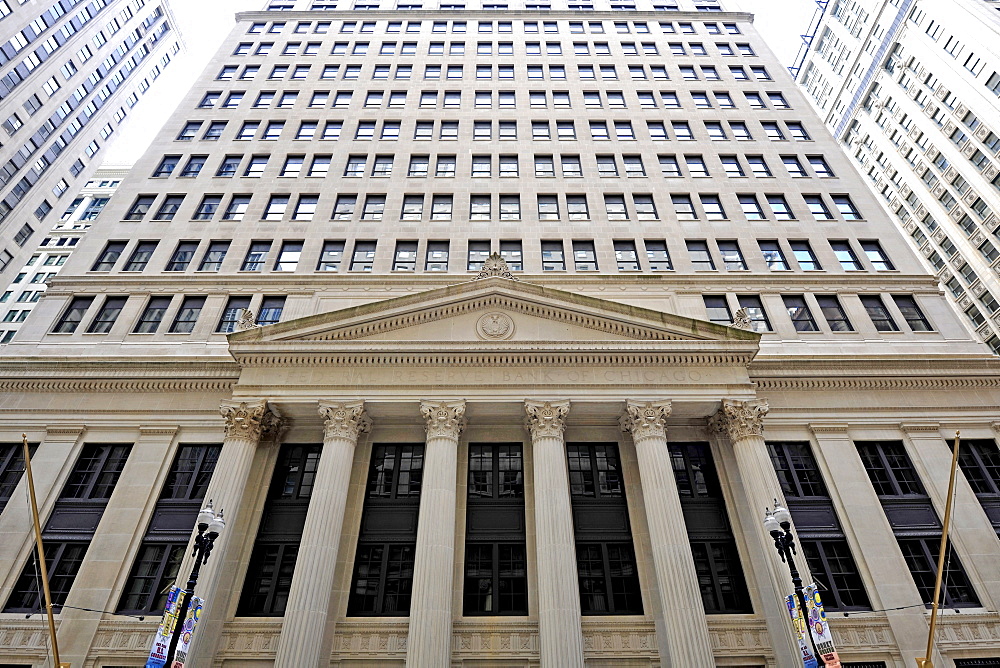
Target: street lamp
(210,526)
(779,524)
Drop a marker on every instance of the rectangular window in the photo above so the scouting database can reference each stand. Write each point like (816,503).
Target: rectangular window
(701,257)
(912,314)
(73,315)
(187,315)
(799,313)
(382,581)
(106,316)
(331,256)
(363,258)
(288,256)
(152,315)
(834,313)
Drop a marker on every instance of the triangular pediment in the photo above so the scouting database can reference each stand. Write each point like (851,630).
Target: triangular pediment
(493,310)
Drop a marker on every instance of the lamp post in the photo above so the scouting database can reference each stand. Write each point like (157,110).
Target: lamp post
(210,526)
(779,524)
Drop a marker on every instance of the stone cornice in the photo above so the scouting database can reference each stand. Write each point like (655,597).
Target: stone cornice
(550,14)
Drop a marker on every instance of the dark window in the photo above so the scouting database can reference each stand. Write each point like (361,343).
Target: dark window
(912,314)
(980,462)
(605,559)
(231,314)
(187,315)
(879,314)
(11,468)
(713,548)
(821,537)
(496,579)
(270,310)
(106,316)
(914,522)
(799,313)
(71,526)
(152,316)
(182,256)
(140,256)
(216,253)
(168,209)
(72,316)
(834,313)
(269,573)
(140,207)
(158,560)
(383,564)
(109,256)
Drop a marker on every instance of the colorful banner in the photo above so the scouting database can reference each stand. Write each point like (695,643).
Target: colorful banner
(161,642)
(190,621)
(819,627)
(808,660)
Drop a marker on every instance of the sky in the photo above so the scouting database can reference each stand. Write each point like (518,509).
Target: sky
(205,23)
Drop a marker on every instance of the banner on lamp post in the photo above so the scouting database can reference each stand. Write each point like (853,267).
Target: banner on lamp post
(799,625)
(819,627)
(161,641)
(187,631)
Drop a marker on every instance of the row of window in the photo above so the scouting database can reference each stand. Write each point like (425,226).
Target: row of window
(458,48)
(701,253)
(617,206)
(482,166)
(495,574)
(490,99)
(500,72)
(541,130)
(488,27)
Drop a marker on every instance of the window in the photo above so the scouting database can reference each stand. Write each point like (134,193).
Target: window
(606,568)
(331,256)
(363,257)
(73,315)
(912,314)
(441,207)
(552,256)
(712,205)
(779,207)
(436,258)
(879,314)
(834,313)
(276,207)
(140,207)
(754,308)
(151,316)
(231,314)
(683,207)
(480,207)
(214,255)
(584,256)
(845,254)
(701,258)
(626,256)
(140,256)
(82,502)
(270,310)
(269,573)
(237,207)
(383,568)
(878,258)
(187,315)
(106,315)
(445,166)
(109,256)
(343,208)
(817,207)
(799,313)
(495,565)
(804,255)
(732,256)
(846,207)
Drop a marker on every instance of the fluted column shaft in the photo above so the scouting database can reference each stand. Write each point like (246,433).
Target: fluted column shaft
(429,642)
(742,422)
(247,425)
(559,627)
(686,641)
(307,635)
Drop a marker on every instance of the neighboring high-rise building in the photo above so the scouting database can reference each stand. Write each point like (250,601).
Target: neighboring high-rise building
(519,317)
(27,285)
(70,73)
(910,88)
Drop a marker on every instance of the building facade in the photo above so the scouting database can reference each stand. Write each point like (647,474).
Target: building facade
(27,285)
(910,88)
(70,73)
(517,322)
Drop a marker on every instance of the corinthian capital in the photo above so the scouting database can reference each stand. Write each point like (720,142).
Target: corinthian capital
(251,420)
(546,418)
(444,418)
(344,420)
(740,419)
(646,419)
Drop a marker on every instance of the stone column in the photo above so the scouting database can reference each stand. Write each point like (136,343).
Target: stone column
(742,422)
(307,634)
(684,639)
(559,629)
(429,642)
(248,424)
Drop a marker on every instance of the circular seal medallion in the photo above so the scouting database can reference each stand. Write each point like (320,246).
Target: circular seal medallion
(497,326)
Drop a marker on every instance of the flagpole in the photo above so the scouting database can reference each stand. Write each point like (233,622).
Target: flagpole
(926,661)
(43,567)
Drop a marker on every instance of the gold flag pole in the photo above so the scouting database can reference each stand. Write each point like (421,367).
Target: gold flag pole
(926,661)
(41,554)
